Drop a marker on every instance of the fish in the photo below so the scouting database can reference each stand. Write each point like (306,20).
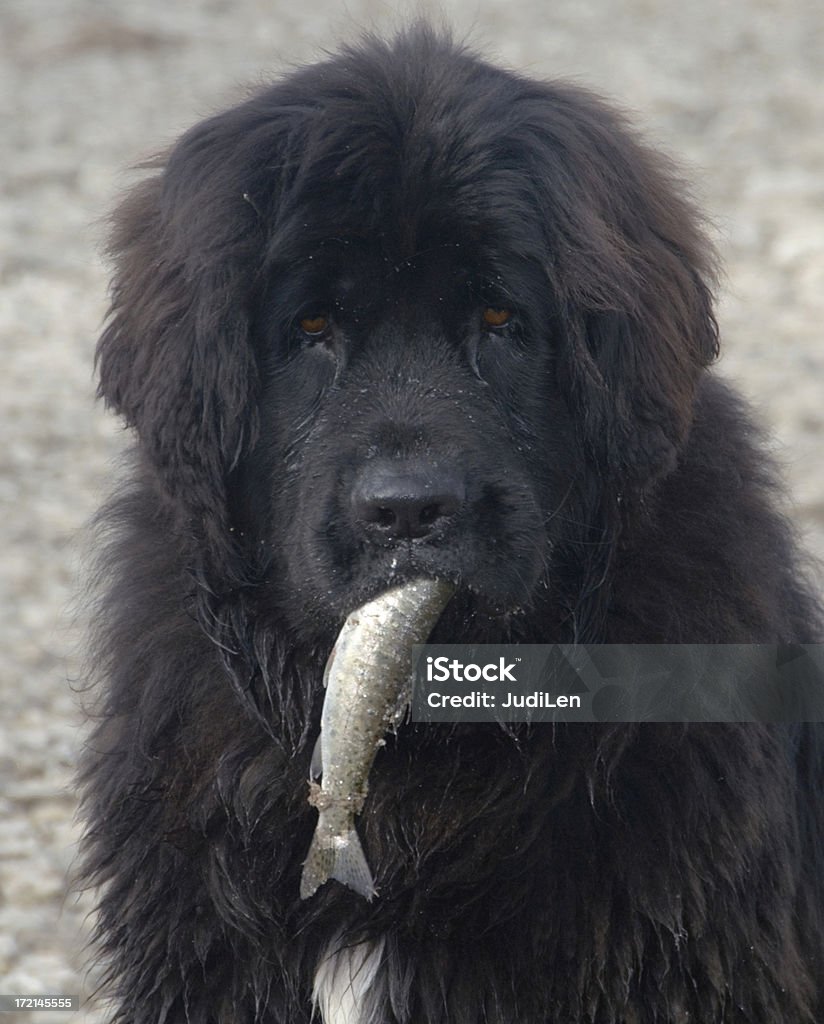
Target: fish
(368,680)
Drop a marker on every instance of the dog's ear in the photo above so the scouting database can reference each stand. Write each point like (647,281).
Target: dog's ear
(175,359)
(632,271)
(635,370)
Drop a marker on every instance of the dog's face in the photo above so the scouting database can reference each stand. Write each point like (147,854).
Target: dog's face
(405,313)
(411,423)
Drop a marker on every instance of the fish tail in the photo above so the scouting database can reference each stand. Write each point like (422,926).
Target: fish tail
(342,859)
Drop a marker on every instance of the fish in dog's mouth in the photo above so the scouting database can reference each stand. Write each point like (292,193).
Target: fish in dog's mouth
(368,682)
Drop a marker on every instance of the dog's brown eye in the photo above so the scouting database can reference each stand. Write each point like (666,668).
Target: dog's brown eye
(314,325)
(496,317)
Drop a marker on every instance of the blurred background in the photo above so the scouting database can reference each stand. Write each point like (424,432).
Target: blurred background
(732,88)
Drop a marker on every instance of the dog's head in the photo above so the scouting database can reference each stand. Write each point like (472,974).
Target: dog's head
(384,318)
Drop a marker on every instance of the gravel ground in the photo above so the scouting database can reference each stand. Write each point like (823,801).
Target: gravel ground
(87,88)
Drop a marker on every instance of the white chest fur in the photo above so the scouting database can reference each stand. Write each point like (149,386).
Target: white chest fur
(344,977)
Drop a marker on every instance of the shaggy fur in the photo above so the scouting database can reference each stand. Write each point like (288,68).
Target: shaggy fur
(592,482)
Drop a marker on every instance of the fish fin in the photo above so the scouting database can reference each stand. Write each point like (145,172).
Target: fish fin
(327,670)
(316,767)
(402,707)
(344,861)
(351,867)
(317,868)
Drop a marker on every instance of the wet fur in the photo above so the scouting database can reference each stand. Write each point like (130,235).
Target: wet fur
(616,491)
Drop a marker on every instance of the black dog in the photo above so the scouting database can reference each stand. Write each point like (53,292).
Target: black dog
(404,314)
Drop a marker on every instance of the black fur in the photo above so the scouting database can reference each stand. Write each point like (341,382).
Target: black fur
(609,489)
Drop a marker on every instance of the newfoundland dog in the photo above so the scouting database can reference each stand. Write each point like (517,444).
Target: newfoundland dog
(404,314)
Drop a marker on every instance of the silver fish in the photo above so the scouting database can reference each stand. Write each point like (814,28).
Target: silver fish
(367,679)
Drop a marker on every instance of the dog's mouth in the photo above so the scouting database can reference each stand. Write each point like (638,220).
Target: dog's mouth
(491,547)
(494,577)
(473,601)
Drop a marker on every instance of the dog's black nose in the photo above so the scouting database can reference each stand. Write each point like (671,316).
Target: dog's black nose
(403,500)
